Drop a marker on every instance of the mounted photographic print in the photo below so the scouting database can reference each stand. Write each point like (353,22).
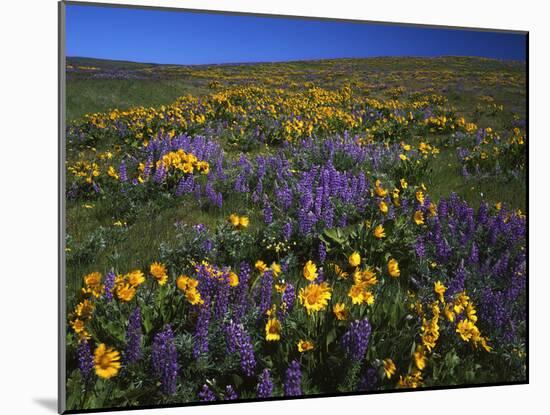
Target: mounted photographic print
(260,207)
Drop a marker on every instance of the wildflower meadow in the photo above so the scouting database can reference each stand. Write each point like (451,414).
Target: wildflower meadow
(240,232)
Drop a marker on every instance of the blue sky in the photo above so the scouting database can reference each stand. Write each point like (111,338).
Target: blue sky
(198,38)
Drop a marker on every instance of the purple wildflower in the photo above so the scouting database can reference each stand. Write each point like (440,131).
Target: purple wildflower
(268,214)
(122,172)
(322,252)
(133,337)
(222,298)
(265,386)
(420,248)
(368,380)
(287,300)
(85,359)
(238,340)
(266,288)
(165,360)
(287,231)
(109,285)
(241,296)
(160,174)
(356,340)
(201,328)
(206,395)
(230,394)
(293,380)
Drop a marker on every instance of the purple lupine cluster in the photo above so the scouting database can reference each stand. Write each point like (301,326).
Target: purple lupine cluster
(85,359)
(420,248)
(292,385)
(206,395)
(221,305)
(208,281)
(201,147)
(213,197)
(287,231)
(240,304)
(497,274)
(265,385)
(265,292)
(230,394)
(311,196)
(322,252)
(109,285)
(201,328)
(368,380)
(132,352)
(287,300)
(238,340)
(356,339)
(122,172)
(329,188)
(268,213)
(164,357)
(185,185)
(457,282)
(154,168)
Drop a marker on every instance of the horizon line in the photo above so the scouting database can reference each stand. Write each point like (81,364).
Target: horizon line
(300,60)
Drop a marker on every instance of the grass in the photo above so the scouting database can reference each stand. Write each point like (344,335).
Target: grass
(98,95)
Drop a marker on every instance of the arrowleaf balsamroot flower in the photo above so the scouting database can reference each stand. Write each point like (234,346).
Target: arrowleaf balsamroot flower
(85,309)
(276,268)
(260,266)
(467,330)
(440,289)
(305,345)
(106,361)
(420,197)
(233,279)
(393,268)
(379,232)
(340,273)
(420,357)
(193,297)
(239,222)
(389,368)
(92,281)
(379,190)
(410,381)
(310,271)
(418,217)
(354,259)
(125,292)
(315,297)
(273,330)
(135,278)
(340,311)
(158,271)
